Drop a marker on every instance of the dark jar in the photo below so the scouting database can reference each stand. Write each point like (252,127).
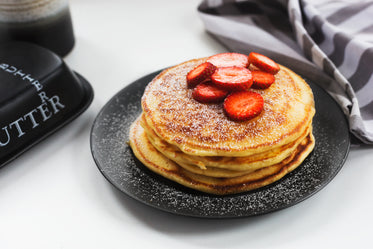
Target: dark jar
(43,22)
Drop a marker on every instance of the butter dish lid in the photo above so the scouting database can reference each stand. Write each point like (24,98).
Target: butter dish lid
(39,94)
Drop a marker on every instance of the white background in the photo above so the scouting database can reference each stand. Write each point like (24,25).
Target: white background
(53,196)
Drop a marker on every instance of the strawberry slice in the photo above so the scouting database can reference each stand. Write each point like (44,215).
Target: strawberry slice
(262,80)
(241,106)
(207,92)
(200,73)
(229,60)
(264,63)
(233,78)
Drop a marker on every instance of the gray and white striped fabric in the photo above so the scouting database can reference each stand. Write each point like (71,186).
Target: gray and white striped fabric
(307,35)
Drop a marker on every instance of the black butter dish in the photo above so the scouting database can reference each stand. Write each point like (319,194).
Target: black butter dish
(38,95)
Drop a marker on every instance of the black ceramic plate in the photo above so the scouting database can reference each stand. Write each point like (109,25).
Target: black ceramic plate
(117,163)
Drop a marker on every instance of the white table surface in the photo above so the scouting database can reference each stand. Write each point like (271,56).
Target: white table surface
(53,196)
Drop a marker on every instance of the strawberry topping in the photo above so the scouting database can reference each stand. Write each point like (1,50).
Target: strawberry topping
(207,92)
(241,106)
(228,77)
(233,78)
(229,60)
(200,73)
(262,80)
(263,63)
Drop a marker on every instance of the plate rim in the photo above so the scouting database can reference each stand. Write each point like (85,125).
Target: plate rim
(128,193)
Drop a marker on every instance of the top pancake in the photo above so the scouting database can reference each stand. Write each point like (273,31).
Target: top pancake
(204,129)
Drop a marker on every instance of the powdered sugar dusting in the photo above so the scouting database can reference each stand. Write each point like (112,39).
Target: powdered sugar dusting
(117,163)
(180,119)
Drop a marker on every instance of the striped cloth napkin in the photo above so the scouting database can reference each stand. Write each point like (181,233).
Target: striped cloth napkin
(307,35)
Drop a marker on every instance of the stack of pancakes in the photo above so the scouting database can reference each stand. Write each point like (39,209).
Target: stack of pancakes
(198,146)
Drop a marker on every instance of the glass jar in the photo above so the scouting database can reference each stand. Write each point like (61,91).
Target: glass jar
(44,22)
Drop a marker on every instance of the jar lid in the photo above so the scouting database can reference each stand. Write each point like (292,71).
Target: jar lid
(38,95)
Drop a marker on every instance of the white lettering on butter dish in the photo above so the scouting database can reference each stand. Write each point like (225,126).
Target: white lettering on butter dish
(33,118)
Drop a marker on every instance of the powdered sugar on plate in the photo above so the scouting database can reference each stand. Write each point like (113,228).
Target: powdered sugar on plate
(117,163)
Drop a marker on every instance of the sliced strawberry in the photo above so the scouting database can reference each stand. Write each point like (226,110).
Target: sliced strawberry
(207,92)
(233,78)
(241,106)
(229,60)
(262,80)
(264,63)
(200,73)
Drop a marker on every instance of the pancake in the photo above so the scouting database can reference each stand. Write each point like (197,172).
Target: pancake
(204,130)
(246,163)
(158,163)
(195,144)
